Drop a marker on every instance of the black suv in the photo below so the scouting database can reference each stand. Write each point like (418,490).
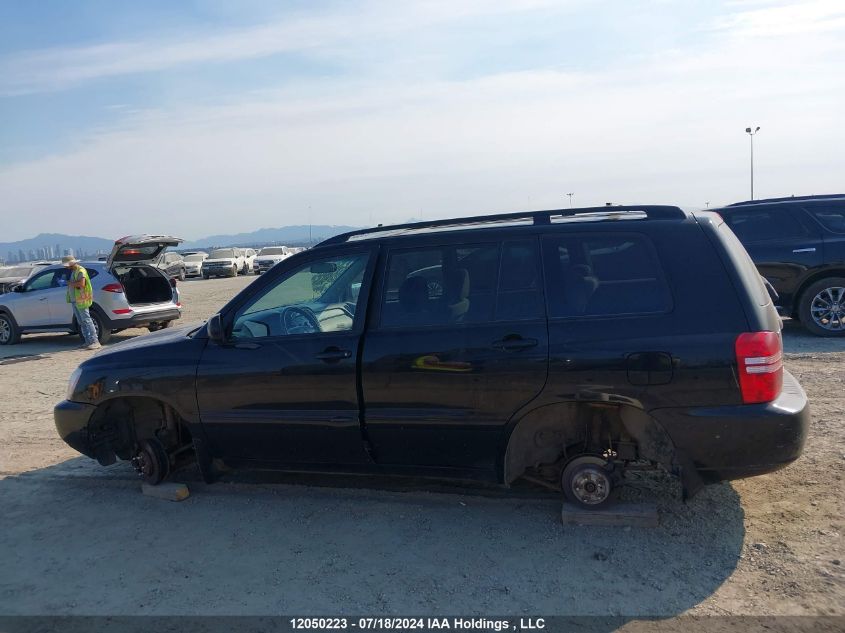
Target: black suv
(798,245)
(557,347)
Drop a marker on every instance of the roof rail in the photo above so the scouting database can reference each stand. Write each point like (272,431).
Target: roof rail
(652,212)
(826,196)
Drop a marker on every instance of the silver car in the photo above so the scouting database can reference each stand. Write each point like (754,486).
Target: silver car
(11,276)
(128,292)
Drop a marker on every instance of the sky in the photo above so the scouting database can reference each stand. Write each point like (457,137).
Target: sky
(204,116)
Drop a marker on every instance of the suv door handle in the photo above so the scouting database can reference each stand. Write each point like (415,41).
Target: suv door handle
(514,343)
(334,354)
(804,250)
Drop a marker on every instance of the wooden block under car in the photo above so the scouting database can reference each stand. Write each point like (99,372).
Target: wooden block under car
(168,491)
(623,513)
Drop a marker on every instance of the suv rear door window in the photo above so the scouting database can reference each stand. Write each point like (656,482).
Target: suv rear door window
(604,274)
(764,224)
(440,285)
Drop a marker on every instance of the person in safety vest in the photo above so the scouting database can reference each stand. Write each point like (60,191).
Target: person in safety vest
(80,295)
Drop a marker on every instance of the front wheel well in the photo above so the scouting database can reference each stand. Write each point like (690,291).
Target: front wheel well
(118,427)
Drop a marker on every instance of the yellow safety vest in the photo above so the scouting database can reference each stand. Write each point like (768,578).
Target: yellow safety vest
(82,297)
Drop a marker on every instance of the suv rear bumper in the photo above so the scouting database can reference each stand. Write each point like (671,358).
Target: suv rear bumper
(142,319)
(732,442)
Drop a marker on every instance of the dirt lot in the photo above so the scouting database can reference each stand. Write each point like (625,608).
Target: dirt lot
(76,538)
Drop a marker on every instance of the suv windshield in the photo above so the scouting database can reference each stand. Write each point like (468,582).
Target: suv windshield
(272,250)
(194,258)
(222,253)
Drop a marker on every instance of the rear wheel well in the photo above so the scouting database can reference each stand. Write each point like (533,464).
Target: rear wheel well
(547,438)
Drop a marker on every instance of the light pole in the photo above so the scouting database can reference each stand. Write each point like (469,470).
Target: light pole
(570,198)
(751,137)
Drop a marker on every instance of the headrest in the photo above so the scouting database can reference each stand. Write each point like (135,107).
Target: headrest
(413,293)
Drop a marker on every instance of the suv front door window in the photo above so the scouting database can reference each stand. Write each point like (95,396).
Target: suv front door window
(283,387)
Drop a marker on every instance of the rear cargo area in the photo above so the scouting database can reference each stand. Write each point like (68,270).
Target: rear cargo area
(144,284)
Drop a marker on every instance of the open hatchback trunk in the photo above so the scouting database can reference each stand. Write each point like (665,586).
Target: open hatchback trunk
(130,261)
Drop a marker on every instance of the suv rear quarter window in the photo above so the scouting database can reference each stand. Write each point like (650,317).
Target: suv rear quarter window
(604,274)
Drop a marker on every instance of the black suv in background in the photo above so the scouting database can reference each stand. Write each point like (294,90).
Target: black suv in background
(798,245)
(557,347)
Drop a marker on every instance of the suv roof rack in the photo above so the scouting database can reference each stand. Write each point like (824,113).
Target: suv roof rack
(827,196)
(652,212)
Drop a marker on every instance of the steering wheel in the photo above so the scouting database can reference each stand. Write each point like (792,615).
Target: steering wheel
(299,320)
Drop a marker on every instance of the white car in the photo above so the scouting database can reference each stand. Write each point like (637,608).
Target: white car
(268,257)
(193,263)
(224,262)
(249,256)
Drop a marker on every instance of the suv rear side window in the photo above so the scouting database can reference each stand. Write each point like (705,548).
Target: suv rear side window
(604,274)
(764,224)
(831,217)
(440,285)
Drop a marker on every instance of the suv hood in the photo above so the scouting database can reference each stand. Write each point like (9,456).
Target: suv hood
(136,249)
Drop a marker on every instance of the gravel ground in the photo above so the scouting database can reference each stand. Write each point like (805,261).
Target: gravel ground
(76,538)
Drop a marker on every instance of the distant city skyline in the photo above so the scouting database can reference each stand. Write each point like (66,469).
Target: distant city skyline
(220,117)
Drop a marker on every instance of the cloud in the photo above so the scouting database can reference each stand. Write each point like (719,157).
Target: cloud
(665,128)
(333,34)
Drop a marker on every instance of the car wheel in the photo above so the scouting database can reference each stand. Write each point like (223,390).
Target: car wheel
(151,462)
(822,307)
(182,275)
(103,333)
(587,482)
(235,270)
(9,332)
(204,276)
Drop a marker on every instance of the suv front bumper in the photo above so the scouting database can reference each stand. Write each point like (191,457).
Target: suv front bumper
(71,420)
(732,442)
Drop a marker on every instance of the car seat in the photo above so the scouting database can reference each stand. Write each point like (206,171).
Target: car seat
(579,284)
(457,295)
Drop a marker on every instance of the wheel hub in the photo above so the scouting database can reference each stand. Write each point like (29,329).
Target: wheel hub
(591,485)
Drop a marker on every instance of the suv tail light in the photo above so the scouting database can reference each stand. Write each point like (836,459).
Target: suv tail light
(113,288)
(759,357)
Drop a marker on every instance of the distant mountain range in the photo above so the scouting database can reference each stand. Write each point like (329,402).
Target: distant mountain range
(293,235)
(53,245)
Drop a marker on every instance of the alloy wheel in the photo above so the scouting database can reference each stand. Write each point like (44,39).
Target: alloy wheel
(828,309)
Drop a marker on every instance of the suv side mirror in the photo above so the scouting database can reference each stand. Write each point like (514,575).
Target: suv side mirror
(214,327)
